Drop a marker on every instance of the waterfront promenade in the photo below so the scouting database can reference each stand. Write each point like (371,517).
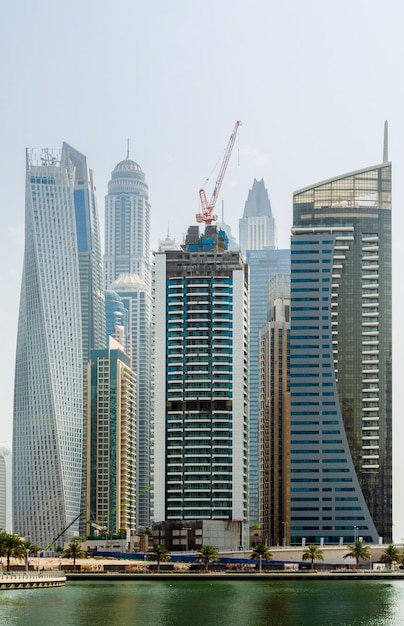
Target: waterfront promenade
(29,580)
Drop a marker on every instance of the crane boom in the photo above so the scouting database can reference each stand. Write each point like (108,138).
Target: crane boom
(206,215)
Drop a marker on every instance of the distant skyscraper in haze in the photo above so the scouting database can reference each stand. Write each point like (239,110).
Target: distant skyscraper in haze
(61,318)
(257,241)
(127,265)
(257,226)
(341,358)
(200,384)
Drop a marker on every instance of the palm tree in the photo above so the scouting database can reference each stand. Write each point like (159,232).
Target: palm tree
(74,551)
(358,550)
(311,553)
(160,554)
(390,554)
(11,546)
(261,552)
(29,548)
(206,554)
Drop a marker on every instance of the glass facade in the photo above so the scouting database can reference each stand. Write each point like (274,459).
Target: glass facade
(48,395)
(341,307)
(263,266)
(274,423)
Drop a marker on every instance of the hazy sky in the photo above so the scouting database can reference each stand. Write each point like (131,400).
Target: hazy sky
(311,81)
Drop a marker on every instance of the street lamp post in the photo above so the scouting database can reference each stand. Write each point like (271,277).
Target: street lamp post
(285,532)
(260,557)
(187,529)
(27,560)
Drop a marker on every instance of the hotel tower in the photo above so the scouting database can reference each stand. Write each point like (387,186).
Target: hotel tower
(341,357)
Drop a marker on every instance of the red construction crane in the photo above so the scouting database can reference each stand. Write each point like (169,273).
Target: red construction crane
(206,215)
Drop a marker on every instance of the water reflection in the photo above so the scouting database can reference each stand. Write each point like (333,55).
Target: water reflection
(204,603)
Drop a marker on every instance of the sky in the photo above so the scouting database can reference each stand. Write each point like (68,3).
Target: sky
(311,81)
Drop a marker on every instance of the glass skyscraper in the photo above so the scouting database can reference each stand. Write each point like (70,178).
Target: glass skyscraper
(127,265)
(341,357)
(61,318)
(257,241)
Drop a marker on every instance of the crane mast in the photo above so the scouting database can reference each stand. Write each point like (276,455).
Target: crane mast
(206,214)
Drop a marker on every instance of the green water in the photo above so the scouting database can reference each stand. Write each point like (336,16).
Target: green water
(204,603)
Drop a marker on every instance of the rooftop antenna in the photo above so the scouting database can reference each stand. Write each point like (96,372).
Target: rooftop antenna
(127,154)
(386,142)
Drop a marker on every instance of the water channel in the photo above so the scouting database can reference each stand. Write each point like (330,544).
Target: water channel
(208,603)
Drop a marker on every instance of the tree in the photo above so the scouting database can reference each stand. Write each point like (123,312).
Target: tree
(312,553)
(390,555)
(358,550)
(206,554)
(74,551)
(261,552)
(30,548)
(160,554)
(11,546)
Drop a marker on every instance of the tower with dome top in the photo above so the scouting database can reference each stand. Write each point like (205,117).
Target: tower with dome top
(127,223)
(127,269)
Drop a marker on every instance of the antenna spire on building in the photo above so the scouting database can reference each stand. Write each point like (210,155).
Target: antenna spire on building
(386,142)
(127,153)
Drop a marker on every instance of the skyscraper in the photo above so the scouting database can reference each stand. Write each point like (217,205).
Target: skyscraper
(127,264)
(136,298)
(257,241)
(111,442)
(257,226)
(341,356)
(274,402)
(127,224)
(61,318)
(200,381)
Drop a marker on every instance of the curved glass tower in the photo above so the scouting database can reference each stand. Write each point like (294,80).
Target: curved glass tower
(341,355)
(62,316)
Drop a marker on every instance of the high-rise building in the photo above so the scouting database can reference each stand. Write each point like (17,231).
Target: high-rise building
(62,316)
(5,488)
(200,382)
(257,226)
(257,241)
(263,265)
(127,264)
(136,298)
(274,402)
(341,358)
(127,224)
(111,443)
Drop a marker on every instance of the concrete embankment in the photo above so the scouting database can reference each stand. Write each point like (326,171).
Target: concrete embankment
(31,581)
